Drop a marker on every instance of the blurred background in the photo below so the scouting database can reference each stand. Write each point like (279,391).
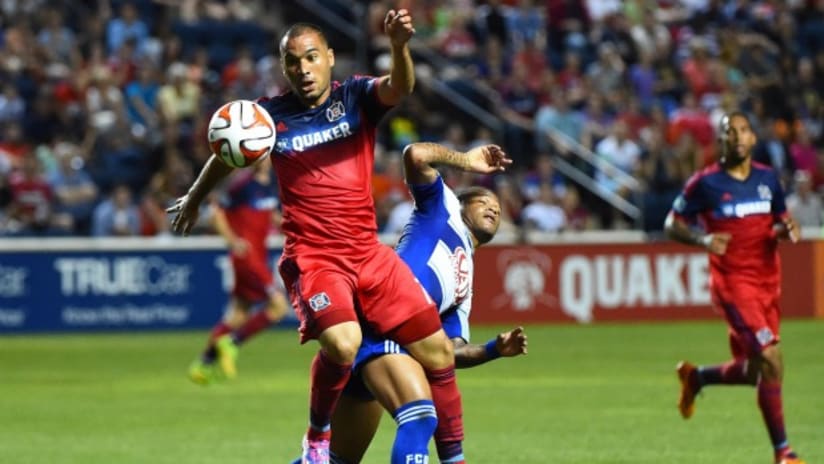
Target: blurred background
(606,106)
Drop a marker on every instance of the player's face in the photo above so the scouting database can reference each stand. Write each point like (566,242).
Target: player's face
(482,214)
(738,138)
(307,64)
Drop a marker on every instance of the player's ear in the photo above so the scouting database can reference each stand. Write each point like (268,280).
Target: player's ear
(330,55)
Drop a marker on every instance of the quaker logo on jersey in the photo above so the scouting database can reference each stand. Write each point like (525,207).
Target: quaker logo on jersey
(461,266)
(764,336)
(764,192)
(305,141)
(267,203)
(748,208)
(319,301)
(726,196)
(335,111)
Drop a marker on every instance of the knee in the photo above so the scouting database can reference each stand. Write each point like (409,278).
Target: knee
(772,366)
(341,346)
(436,351)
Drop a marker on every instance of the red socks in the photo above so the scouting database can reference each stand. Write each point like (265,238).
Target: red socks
(328,379)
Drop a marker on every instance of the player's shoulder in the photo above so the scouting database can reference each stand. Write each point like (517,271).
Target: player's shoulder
(703,175)
(764,170)
(284,103)
(355,83)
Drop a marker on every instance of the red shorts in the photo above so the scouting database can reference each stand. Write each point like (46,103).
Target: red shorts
(253,278)
(326,290)
(752,314)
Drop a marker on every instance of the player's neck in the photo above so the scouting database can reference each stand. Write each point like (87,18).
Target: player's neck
(739,171)
(311,104)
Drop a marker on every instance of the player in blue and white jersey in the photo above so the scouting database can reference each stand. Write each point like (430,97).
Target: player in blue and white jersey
(438,244)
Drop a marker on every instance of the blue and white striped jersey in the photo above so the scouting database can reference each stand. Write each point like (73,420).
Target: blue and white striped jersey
(437,246)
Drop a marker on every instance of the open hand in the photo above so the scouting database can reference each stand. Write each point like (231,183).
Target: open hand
(512,343)
(487,159)
(186,217)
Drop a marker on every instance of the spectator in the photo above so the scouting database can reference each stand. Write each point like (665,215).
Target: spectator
(74,190)
(141,99)
(127,26)
(32,198)
(558,116)
(116,216)
(805,204)
(621,154)
(803,153)
(544,214)
(543,173)
(179,103)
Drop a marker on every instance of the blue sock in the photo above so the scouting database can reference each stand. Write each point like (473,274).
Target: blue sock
(416,424)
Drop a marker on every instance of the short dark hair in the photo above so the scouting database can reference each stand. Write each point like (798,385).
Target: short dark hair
(729,116)
(470,193)
(298,29)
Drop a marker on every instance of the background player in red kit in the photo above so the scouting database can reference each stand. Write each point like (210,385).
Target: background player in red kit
(333,262)
(741,205)
(243,218)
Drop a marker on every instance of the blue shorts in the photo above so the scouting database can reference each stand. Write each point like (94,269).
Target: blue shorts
(371,347)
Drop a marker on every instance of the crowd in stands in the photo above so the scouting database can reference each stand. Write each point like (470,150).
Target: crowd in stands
(103,103)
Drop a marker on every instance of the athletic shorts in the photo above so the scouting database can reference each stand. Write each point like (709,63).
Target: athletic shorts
(254,282)
(326,289)
(752,314)
(372,346)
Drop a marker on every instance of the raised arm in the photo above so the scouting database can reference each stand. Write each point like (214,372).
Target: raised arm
(507,344)
(187,207)
(401,79)
(419,160)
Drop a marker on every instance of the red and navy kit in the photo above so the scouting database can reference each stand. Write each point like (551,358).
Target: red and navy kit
(745,281)
(332,257)
(249,205)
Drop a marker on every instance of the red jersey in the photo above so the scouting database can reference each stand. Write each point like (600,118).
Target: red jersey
(33,197)
(748,210)
(323,160)
(248,205)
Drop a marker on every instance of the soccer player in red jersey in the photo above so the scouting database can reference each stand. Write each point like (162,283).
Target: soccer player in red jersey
(243,218)
(741,205)
(333,265)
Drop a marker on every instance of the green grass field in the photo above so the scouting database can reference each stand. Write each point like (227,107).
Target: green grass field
(599,394)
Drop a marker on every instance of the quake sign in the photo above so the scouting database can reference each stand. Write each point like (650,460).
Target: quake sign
(590,283)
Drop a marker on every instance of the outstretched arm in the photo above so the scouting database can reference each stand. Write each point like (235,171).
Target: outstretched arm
(401,79)
(419,160)
(188,205)
(507,344)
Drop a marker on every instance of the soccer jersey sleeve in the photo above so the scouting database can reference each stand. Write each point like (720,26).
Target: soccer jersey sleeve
(779,202)
(428,197)
(691,201)
(365,89)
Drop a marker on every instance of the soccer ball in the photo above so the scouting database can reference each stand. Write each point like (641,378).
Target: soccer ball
(241,133)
